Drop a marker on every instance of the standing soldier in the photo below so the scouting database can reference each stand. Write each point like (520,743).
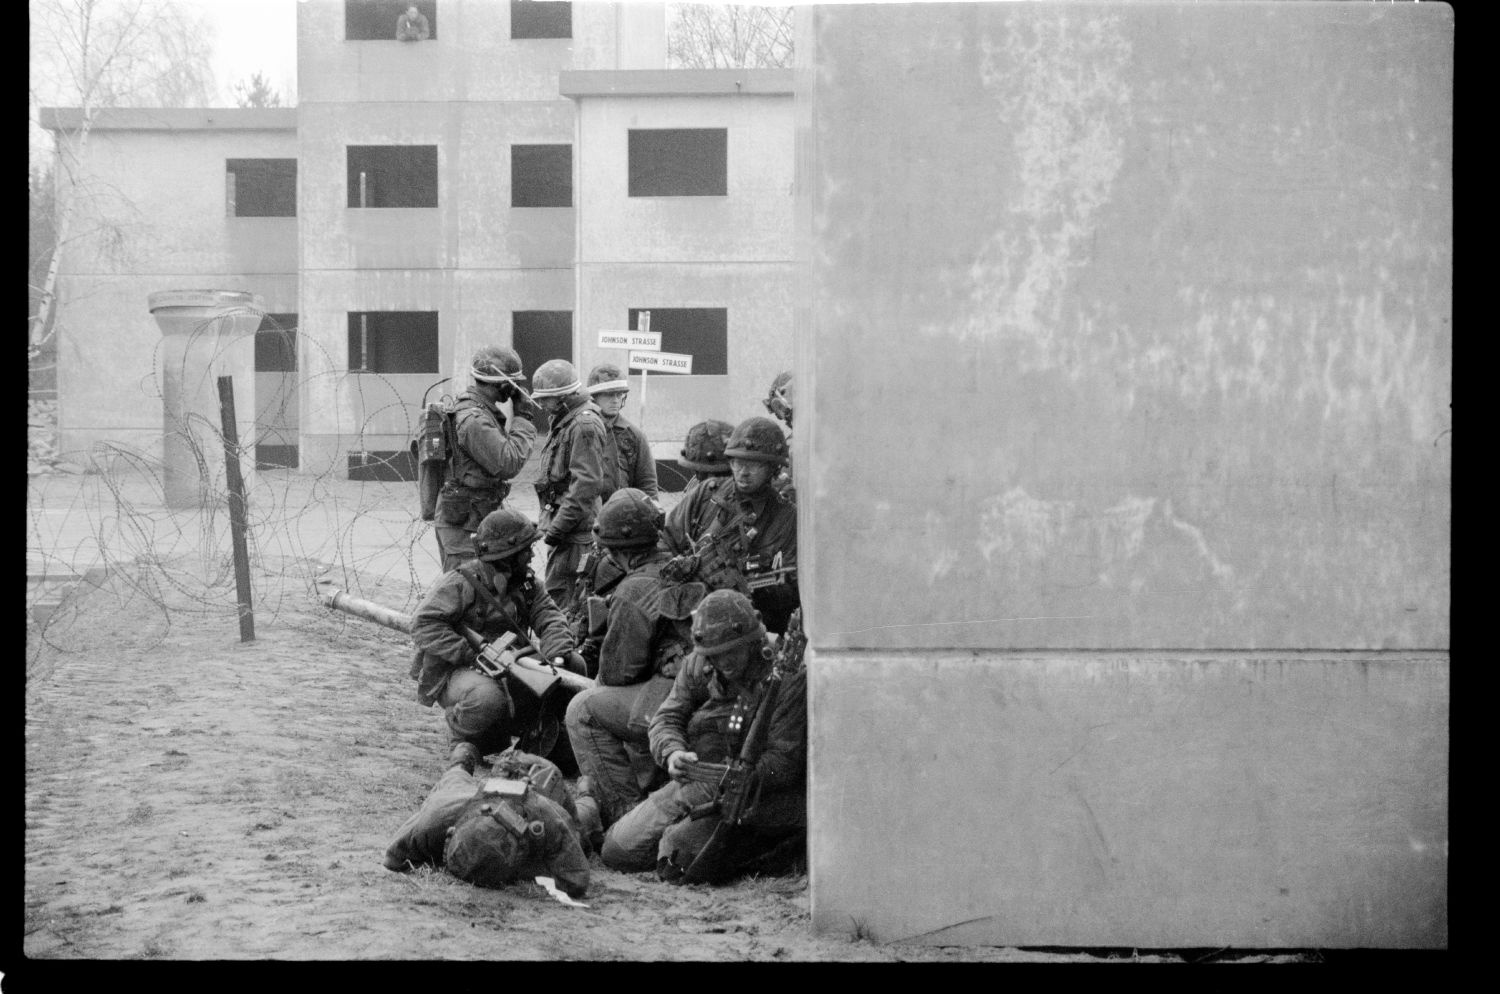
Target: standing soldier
(737,532)
(491,594)
(633,464)
(779,402)
(648,630)
(573,474)
(703,452)
(489,453)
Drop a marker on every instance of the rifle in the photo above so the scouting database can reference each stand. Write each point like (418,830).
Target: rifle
(497,659)
(709,559)
(759,577)
(738,790)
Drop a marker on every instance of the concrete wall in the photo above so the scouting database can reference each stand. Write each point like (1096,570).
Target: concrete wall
(733,251)
(152,216)
(1159,519)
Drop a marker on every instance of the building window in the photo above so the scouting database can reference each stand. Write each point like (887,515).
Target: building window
(701,332)
(375,20)
(540,19)
(261,187)
(393,176)
(541,335)
(541,175)
(679,162)
(393,341)
(276,344)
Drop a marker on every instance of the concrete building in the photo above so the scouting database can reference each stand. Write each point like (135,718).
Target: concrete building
(427,197)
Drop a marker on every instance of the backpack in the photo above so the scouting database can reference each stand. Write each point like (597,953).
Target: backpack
(432,451)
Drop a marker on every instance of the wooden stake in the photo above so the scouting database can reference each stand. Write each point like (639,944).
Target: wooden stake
(237,509)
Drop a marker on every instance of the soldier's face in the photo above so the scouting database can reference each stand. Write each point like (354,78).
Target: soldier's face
(611,403)
(750,476)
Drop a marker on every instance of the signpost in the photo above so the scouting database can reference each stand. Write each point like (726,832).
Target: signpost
(645,353)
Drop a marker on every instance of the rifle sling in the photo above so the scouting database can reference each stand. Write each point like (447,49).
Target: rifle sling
(506,612)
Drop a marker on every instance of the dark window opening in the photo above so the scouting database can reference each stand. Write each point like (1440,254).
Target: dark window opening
(540,19)
(375,20)
(390,466)
(701,332)
(679,162)
(393,341)
(541,335)
(261,187)
(276,344)
(393,176)
(541,175)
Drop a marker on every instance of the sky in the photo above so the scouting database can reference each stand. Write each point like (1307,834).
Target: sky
(252,36)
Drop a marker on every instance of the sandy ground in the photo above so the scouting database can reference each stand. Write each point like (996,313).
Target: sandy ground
(190,796)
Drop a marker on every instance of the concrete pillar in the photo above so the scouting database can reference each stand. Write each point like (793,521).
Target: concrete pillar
(205,334)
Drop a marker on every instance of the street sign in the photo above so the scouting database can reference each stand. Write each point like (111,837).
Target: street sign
(661,362)
(630,340)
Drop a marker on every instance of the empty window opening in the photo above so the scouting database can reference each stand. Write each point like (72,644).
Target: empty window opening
(540,19)
(276,344)
(261,187)
(393,176)
(376,20)
(393,341)
(541,335)
(701,332)
(679,162)
(541,175)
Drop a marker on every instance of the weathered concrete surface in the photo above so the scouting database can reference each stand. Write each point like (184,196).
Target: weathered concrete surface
(1127,329)
(1166,292)
(1127,800)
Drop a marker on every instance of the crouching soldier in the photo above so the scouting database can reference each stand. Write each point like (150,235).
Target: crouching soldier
(516,824)
(705,718)
(648,632)
(492,594)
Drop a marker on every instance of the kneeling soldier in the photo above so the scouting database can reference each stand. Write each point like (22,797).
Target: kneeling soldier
(647,633)
(492,594)
(706,718)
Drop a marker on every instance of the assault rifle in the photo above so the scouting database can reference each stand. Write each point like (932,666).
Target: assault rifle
(738,790)
(759,577)
(497,659)
(711,558)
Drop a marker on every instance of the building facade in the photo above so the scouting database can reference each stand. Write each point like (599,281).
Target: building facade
(425,198)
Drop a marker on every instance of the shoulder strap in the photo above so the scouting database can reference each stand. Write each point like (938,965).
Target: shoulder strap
(488,596)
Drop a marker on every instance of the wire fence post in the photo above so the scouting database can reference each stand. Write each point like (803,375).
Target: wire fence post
(237,515)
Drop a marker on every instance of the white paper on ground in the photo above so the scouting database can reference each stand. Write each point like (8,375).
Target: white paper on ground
(550,886)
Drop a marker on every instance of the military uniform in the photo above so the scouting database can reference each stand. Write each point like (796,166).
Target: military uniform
(572,480)
(454,829)
(696,716)
(773,519)
(633,464)
(647,636)
(489,453)
(477,708)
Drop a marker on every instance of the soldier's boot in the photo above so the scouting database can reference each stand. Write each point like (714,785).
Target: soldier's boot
(464,754)
(667,870)
(590,822)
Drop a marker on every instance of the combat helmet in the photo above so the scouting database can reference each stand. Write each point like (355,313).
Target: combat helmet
(703,452)
(481,851)
(607,378)
(779,398)
(627,519)
(502,534)
(554,378)
(725,620)
(496,364)
(759,440)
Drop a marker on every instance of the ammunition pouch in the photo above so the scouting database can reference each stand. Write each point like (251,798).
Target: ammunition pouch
(597,614)
(464,507)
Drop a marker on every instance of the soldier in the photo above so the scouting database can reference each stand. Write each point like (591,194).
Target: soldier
(647,634)
(490,450)
(725,677)
(491,839)
(572,476)
(737,532)
(492,594)
(633,465)
(779,402)
(703,452)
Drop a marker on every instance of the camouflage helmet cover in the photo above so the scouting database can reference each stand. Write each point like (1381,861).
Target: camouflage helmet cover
(703,451)
(607,378)
(628,519)
(759,440)
(503,533)
(724,620)
(779,398)
(554,378)
(496,364)
(481,851)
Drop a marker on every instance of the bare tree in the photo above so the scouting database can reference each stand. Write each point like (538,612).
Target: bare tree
(256,92)
(728,36)
(95,54)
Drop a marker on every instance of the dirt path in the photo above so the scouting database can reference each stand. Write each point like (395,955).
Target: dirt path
(189,796)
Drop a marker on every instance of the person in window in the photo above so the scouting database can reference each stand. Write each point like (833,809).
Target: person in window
(412,25)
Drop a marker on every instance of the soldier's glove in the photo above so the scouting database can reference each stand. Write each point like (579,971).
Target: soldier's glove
(526,408)
(552,540)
